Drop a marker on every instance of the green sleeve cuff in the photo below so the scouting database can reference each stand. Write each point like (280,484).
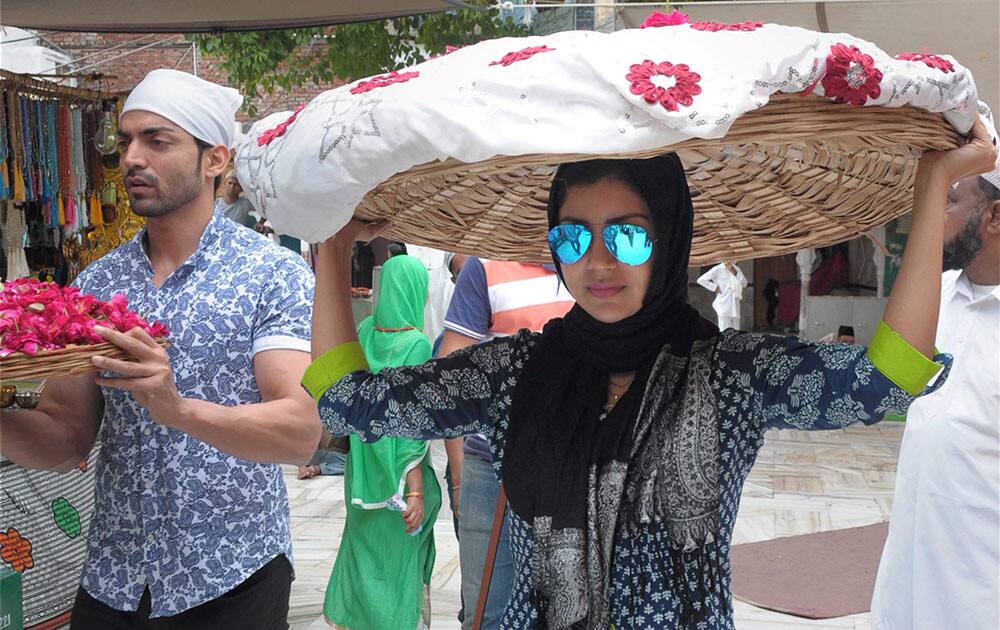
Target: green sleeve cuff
(900,362)
(332,366)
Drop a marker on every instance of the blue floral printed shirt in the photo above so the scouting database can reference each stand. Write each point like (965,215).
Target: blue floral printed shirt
(172,512)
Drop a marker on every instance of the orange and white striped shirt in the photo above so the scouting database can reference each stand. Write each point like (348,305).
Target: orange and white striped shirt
(495,298)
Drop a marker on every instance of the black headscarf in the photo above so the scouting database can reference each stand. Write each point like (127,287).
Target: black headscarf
(559,431)
(665,316)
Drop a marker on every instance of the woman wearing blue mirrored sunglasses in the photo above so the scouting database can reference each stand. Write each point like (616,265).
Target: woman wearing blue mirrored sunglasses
(611,271)
(623,432)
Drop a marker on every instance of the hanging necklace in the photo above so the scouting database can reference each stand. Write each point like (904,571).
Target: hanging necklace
(615,397)
(29,154)
(394,330)
(5,188)
(14,127)
(52,159)
(3,129)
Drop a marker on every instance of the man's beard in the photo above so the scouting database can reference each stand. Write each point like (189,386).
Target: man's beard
(964,247)
(177,192)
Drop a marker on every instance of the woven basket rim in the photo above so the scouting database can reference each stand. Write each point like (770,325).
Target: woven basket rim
(74,348)
(743,129)
(435,204)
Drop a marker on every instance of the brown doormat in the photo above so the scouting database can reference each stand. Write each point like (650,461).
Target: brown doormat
(817,576)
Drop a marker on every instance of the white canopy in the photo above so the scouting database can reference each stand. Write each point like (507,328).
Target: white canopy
(189,16)
(969,30)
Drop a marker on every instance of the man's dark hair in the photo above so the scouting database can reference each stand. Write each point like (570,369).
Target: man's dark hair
(202,145)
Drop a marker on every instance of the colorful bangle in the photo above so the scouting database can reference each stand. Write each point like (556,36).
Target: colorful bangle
(415,494)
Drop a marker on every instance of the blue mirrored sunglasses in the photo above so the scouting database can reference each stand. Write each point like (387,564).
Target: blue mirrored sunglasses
(629,243)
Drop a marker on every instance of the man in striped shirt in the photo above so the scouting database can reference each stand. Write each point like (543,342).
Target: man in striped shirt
(492,298)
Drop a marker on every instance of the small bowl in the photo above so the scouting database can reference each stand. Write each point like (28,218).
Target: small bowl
(27,400)
(7,393)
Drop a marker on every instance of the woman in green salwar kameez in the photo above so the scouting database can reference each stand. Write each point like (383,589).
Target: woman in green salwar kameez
(382,570)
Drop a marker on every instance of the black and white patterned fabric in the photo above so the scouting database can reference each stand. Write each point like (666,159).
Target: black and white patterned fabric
(756,382)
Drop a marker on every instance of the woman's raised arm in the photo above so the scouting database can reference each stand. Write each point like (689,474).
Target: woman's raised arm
(333,316)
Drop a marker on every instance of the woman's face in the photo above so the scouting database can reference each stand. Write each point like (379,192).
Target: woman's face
(608,289)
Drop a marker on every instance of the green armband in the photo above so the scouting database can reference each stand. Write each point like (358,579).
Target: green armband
(332,366)
(900,362)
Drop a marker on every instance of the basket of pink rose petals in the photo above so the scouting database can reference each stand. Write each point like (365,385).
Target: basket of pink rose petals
(47,330)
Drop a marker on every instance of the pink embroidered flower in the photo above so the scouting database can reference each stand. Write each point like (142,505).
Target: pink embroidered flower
(851,76)
(383,80)
(715,27)
(930,60)
(521,55)
(658,18)
(279,129)
(685,83)
(37,316)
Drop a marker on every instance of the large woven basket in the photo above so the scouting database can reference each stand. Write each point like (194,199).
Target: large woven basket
(68,361)
(792,139)
(797,173)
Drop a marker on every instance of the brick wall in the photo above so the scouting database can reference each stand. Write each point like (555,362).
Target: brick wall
(123,73)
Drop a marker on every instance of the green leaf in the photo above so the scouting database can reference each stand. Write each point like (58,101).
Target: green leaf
(258,62)
(67,518)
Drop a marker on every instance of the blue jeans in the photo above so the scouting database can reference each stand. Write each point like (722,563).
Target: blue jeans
(329,462)
(476,505)
(454,520)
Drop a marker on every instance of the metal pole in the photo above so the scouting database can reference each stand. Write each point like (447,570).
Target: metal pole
(126,54)
(20,39)
(94,54)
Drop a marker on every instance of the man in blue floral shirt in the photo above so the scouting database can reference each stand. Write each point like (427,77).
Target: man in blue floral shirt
(191,524)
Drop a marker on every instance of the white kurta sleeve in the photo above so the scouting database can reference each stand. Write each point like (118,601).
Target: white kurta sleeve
(708,281)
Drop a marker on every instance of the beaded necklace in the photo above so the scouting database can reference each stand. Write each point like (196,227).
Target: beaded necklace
(52,158)
(41,155)
(38,185)
(79,175)
(66,183)
(38,141)
(29,154)
(4,153)
(95,168)
(13,111)
(17,173)
(93,157)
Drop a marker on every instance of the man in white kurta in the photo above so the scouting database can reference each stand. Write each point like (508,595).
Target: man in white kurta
(727,281)
(940,568)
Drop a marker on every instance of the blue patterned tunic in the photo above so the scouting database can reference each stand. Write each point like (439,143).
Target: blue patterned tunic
(759,382)
(173,513)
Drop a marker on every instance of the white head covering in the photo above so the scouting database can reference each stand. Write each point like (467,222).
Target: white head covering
(993,176)
(205,110)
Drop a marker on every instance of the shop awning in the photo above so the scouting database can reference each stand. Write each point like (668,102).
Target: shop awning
(188,16)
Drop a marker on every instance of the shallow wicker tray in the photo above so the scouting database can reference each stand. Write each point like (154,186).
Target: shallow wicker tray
(68,361)
(800,172)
